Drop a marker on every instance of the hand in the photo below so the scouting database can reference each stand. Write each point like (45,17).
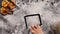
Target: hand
(36,30)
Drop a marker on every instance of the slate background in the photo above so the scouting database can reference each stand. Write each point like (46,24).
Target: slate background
(14,24)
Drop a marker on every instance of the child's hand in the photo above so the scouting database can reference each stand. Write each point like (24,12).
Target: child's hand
(36,30)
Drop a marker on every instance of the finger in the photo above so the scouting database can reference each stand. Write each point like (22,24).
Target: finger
(33,28)
(39,27)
